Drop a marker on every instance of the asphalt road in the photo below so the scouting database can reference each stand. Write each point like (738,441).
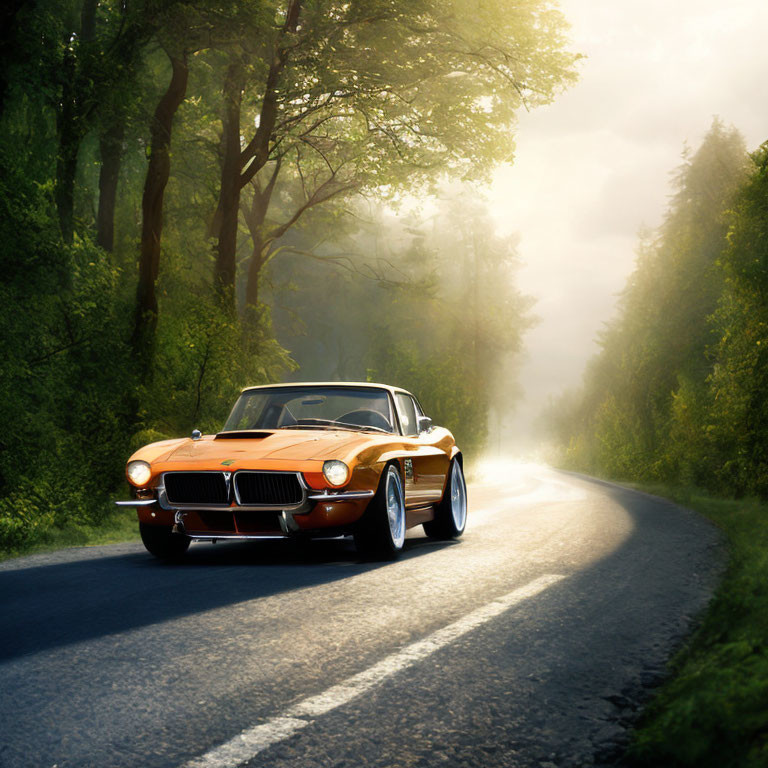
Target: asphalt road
(530,642)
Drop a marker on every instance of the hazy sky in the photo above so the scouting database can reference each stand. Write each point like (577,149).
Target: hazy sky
(594,167)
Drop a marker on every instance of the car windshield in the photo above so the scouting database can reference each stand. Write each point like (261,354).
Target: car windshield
(363,408)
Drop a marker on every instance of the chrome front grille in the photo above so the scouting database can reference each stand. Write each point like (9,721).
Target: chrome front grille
(196,488)
(246,488)
(273,489)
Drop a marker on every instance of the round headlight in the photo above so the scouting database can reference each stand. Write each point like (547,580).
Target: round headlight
(336,472)
(138,472)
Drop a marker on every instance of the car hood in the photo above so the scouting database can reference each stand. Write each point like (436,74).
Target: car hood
(284,444)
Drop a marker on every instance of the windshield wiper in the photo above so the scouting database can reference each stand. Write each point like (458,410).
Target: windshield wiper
(332,424)
(361,428)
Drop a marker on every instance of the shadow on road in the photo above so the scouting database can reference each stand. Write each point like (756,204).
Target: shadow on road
(57,604)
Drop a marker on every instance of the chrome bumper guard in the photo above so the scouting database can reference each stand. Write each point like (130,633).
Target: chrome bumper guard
(233,536)
(340,495)
(323,496)
(136,503)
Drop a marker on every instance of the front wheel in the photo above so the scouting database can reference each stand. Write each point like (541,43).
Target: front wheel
(380,533)
(451,513)
(160,541)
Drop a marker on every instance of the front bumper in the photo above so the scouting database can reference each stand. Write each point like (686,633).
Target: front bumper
(320,512)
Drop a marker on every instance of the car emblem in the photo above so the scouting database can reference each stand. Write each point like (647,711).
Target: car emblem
(408,469)
(228,462)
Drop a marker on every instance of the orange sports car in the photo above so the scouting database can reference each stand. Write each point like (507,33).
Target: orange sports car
(311,460)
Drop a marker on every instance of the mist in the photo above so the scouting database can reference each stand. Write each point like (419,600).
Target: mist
(594,169)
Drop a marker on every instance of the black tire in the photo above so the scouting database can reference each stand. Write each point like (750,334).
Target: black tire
(451,513)
(160,541)
(377,536)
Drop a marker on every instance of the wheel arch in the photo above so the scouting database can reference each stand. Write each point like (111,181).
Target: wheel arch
(456,455)
(392,457)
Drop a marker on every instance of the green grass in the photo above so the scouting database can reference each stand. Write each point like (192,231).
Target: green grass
(713,710)
(118,525)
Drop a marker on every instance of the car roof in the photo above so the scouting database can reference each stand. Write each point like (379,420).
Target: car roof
(356,384)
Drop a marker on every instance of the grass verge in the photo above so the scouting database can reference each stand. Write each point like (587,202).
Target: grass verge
(119,525)
(713,710)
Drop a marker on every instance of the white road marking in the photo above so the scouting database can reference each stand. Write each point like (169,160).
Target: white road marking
(246,745)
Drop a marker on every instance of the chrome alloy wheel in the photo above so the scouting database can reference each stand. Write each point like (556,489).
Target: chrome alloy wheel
(458,497)
(395,508)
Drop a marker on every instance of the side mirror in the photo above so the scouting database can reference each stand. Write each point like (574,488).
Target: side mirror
(424,423)
(196,434)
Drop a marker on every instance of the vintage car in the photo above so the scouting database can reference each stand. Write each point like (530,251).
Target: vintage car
(304,460)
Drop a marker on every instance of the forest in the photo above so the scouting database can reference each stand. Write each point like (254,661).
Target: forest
(199,196)
(678,393)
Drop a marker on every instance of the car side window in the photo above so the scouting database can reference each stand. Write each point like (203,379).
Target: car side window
(407,410)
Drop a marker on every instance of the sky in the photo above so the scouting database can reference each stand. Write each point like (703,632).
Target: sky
(594,167)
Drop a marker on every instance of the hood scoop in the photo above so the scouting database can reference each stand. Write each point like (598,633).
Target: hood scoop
(243,434)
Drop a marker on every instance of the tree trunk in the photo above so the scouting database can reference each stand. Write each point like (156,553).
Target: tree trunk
(67,124)
(8,48)
(229,194)
(256,153)
(255,215)
(156,180)
(111,149)
(254,274)
(257,150)
(76,86)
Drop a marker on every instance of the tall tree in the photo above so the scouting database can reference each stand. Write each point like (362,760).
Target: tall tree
(77,86)
(158,172)
(229,191)
(737,422)
(100,56)
(256,152)
(409,90)
(642,409)
(111,138)
(8,23)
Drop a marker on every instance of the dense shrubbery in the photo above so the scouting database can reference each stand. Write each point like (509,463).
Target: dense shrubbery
(679,392)
(64,393)
(72,407)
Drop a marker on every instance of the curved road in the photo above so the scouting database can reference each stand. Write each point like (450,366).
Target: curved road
(529,642)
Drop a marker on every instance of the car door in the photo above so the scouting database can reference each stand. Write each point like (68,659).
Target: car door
(426,466)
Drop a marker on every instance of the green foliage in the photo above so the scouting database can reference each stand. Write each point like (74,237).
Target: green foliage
(69,400)
(712,713)
(119,526)
(204,358)
(64,393)
(446,99)
(371,97)
(677,393)
(738,426)
(444,381)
